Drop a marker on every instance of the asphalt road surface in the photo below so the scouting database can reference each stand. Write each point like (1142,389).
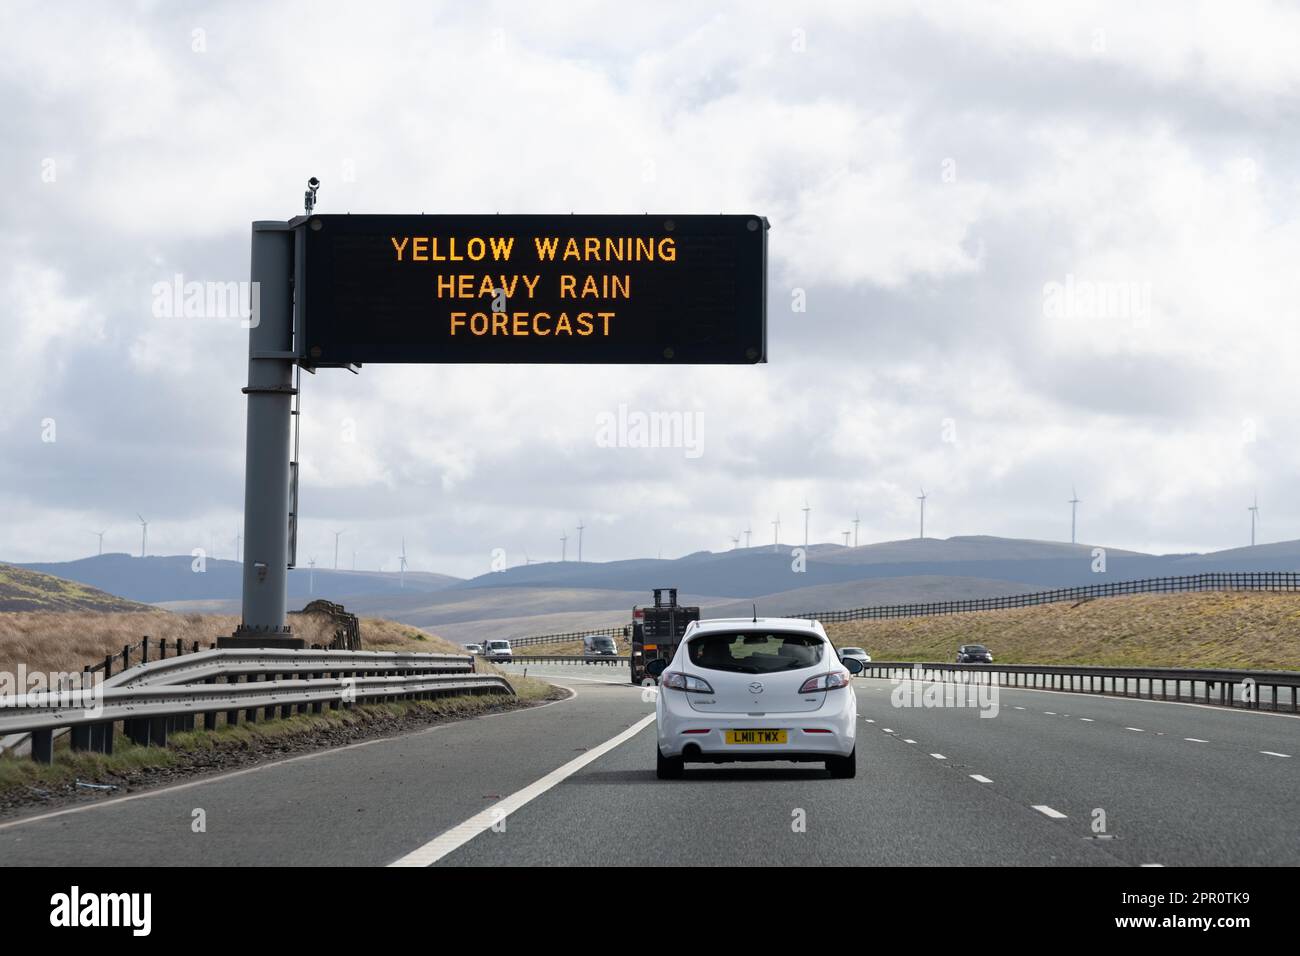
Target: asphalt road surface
(1053,779)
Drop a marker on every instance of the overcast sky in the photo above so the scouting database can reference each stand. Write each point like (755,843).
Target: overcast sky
(946,183)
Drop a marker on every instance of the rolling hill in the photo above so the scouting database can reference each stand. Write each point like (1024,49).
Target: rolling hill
(25,590)
(562,596)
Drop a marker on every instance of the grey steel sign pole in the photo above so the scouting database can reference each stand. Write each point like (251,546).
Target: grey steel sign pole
(270,391)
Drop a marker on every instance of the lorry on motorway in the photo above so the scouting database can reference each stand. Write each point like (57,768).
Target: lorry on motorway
(657,630)
(599,645)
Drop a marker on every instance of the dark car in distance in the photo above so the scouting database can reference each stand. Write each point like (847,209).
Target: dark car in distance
(974,654)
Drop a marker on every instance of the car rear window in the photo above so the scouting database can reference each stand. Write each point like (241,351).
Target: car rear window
(756,652)
(975,648)
(852,650)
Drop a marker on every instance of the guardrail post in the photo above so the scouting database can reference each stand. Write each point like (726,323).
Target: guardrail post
(101,737)
(157,731)
(80,737)
(43,746)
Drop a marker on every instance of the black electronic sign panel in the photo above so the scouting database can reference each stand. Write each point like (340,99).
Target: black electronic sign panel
(572,289)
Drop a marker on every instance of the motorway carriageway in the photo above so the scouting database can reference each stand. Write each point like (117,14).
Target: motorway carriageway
(1054,779)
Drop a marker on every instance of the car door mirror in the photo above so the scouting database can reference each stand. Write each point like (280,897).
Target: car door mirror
(853,664)
(656,667)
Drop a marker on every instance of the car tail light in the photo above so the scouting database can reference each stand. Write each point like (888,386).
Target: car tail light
(832,681)
(679,681)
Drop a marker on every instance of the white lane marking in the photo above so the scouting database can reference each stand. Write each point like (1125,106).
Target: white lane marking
(1195,740)
(1019,708)
(1136,730)
(1050,713)
(907,741)
(258,768)
(459,835)
(1087,720)
(1273,753)
(886,730)
(868,720)
(938,756)
(1047,811)
(1151,865)
(980,778)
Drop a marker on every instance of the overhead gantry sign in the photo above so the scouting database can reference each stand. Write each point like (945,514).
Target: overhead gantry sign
(342,291)
(535,289)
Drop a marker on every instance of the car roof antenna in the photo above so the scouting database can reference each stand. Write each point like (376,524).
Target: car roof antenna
(755,613)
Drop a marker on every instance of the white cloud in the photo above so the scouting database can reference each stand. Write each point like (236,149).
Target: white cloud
(1162,159)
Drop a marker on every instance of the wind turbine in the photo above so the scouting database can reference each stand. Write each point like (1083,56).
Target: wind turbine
(922,500)
(144,533)
(401,566)
(735,542)
(580,527)
(1074,507)
(1254,513)
(846,538)
(856,519)
(311,576)
(746,534)
(776,532)
(564,546)
(101,541)
(337,534)
(806,509)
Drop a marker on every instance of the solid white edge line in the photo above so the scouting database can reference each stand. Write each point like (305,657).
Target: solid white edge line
(459,835)
(1047,811)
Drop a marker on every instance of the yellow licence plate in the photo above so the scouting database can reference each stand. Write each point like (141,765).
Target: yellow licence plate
(756,736)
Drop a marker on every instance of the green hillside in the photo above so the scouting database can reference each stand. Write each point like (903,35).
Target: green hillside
(23,590)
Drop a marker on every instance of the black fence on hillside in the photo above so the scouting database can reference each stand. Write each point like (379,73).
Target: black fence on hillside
(1210,581)
(614,632)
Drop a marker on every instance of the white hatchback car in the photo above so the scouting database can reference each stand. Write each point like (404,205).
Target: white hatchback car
(764,689)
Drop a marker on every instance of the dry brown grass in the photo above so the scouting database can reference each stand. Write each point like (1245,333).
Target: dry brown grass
(1209,629)
(55,642)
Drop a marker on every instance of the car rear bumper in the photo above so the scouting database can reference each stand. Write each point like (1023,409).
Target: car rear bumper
(829,731)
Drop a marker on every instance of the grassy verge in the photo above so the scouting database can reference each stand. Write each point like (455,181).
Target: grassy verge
(229,745)
(1209,629)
